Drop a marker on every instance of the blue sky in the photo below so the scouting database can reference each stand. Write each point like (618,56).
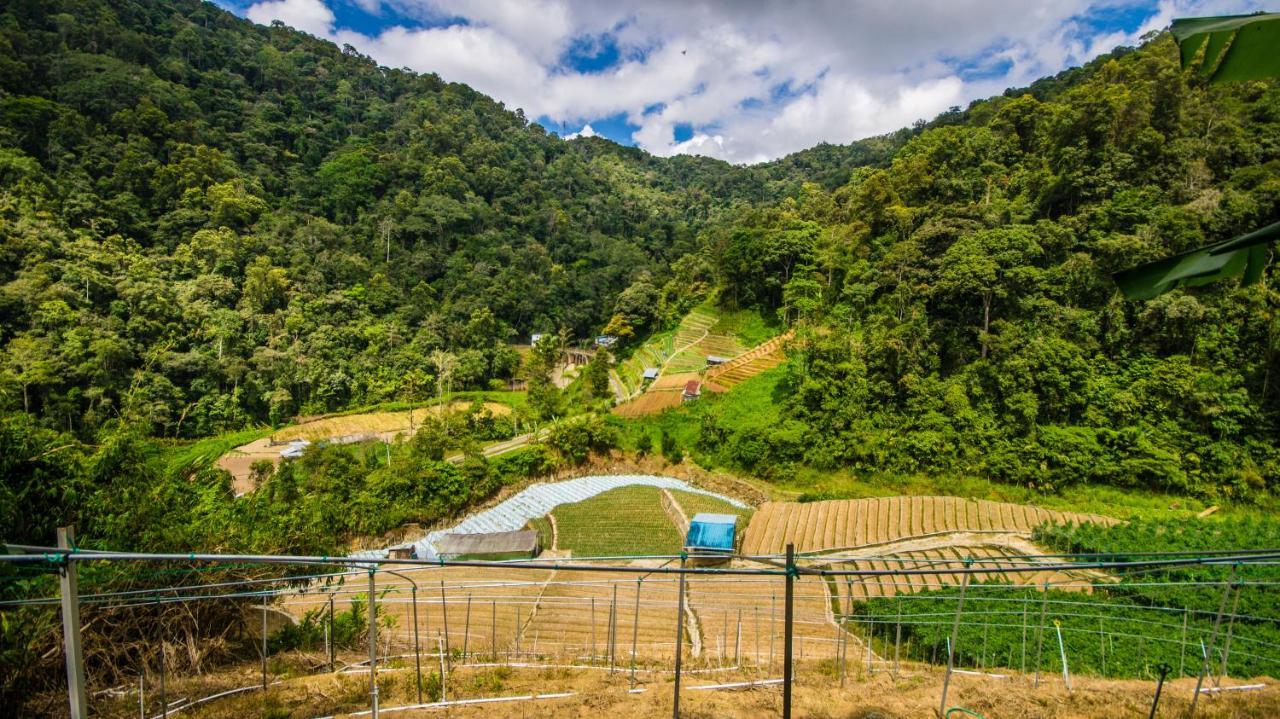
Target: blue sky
(745,81)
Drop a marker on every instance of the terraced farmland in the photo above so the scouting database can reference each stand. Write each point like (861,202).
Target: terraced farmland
(747,365)
(623,521)
(826,526)
(951,557)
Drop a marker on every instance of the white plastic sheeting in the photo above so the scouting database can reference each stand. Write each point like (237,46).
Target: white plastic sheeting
(538,499)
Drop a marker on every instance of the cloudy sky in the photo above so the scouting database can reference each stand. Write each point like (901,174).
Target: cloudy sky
(742,80)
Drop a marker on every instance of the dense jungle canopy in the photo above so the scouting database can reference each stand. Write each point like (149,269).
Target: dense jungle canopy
(207,225)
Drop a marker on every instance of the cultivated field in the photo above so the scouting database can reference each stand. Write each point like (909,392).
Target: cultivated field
(747,365)
(839,524)
(951,557)
(623,521)
(692,503)
(682,355)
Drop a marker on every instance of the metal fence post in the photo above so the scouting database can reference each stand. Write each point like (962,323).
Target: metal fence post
(493,629)
(444,671)
(773,625)
(1182,647)
(373,643)
(675,692)
(593,631)
(74,652)
(264,642)
(466,632)
(613,631)
(164,694)
(417,648)
(444,613)
(897,639)
(329,638)
(787,630)
(1213,638)
(737,642)
(1231,623)
(635,632)
(951,643)
(1044,606)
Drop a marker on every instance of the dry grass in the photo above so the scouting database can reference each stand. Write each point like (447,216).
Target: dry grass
(372,422)
(651,402)
(817,694)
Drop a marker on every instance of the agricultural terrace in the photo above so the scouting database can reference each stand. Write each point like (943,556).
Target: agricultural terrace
(1125,628)
(625,521)
(707,330)
(839,524)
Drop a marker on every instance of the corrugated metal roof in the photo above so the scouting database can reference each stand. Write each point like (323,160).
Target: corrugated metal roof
(488,543)
(711,532)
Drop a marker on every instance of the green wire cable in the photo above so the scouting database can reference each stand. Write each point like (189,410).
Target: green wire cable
(962,710)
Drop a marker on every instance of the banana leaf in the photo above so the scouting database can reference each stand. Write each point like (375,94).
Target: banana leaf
(1235,47)
(1246,254)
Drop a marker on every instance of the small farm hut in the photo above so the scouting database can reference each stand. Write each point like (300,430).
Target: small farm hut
(491,546)
(711,533)
(650,374)
(692,390)
(713,360)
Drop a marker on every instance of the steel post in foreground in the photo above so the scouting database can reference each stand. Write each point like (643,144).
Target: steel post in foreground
(951,646)
(675,692)
(70,586)
(788,630)
(1164,671)
(373,644)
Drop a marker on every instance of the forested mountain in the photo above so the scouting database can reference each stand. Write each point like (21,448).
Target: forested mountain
(956,309)
(207,224)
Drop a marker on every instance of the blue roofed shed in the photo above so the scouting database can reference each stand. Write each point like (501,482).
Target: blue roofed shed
(711,533)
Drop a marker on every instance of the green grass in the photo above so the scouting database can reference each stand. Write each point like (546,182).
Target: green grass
(692,503)
(193,456)
(542,526)
(747,326)
(623,521)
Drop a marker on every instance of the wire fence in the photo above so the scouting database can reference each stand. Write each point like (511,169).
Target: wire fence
(759,618)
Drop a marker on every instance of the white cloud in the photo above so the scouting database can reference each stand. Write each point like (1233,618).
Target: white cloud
(586,131)
(311,16)
(753,80)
